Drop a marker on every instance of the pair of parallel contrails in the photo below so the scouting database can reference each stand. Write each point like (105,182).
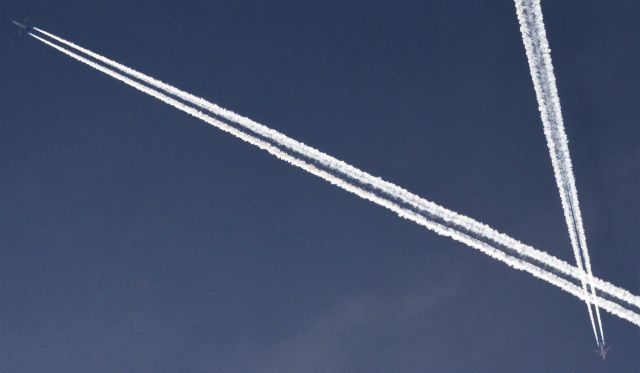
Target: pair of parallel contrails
(592,290)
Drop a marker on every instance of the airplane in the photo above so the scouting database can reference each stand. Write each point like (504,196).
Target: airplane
(602,351)
(22,26)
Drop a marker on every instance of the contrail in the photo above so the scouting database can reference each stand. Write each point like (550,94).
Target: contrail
(539,57)
(403,212)
(393,191)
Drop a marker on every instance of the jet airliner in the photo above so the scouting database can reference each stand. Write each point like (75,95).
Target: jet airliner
(22,26)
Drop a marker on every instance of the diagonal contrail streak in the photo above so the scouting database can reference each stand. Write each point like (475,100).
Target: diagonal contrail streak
(474,242)
(539,58)
(391,190)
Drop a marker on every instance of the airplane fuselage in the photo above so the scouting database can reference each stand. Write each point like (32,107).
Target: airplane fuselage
(602,351)
(20,25)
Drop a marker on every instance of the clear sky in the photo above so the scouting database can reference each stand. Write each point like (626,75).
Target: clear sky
(134,238)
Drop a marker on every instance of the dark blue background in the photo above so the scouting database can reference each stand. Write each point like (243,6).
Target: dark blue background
(134,238)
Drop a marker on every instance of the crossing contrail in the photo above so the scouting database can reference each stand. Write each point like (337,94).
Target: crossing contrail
(539,57)
(404,212)
(391,190)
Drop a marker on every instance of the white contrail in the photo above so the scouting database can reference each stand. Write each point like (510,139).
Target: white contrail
(539,57)
(393,191)
(537,50)
(514,262)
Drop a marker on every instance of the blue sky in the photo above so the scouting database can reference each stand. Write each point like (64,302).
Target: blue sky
(135,238)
